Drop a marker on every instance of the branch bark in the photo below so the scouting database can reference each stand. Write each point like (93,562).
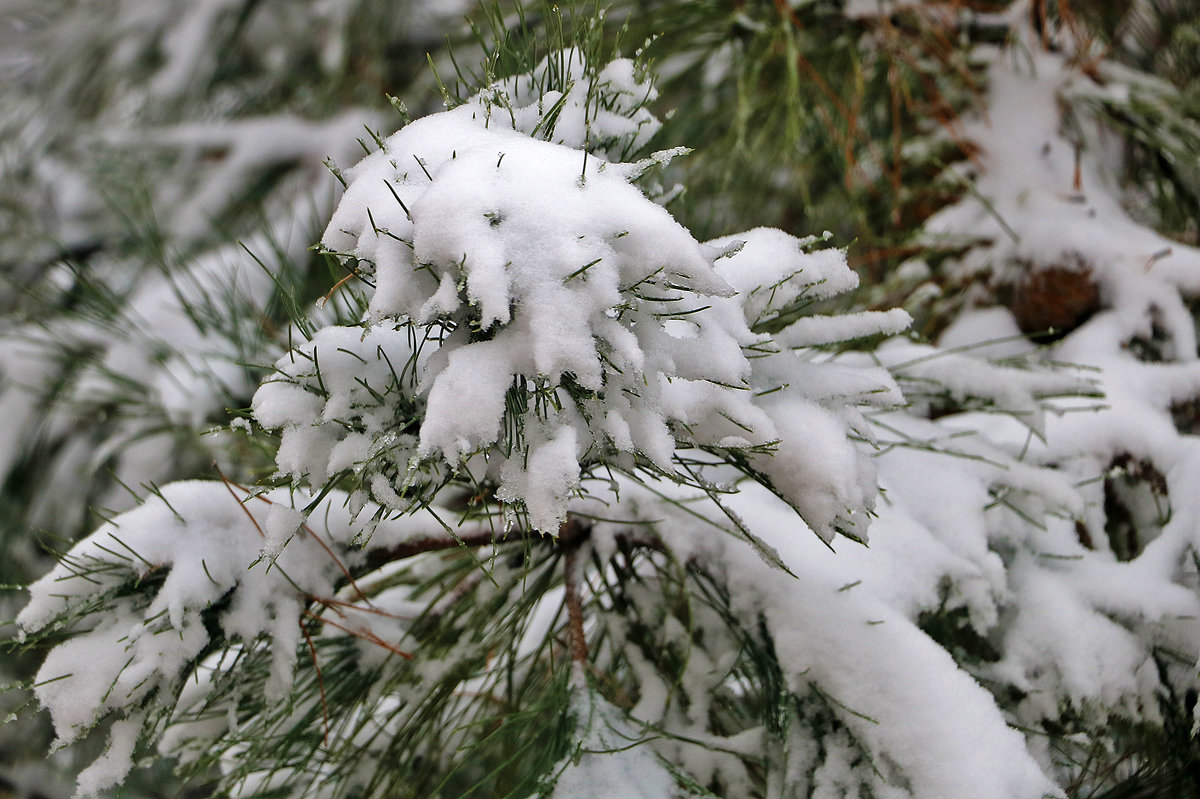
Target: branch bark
(479,538)
(572,535)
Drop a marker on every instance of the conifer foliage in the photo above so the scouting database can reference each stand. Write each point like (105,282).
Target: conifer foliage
(547,471)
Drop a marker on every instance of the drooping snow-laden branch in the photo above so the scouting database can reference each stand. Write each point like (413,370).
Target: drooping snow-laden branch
(536,322)
(534,318)
(545,345)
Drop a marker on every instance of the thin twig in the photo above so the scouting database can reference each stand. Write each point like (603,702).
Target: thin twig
(312,650)
(419,546)
(241,504)
(571,536)
(365,635)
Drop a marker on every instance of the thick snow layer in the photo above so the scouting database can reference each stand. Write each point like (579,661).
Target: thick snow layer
(1074,598)
(559,281)
(209,543)
(534,316)
(931,730)
(1044,207)
(963,379)
(818,329)
(565,320)
(771,271)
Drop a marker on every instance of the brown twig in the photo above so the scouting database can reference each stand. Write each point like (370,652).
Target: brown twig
(303,525)
(336,604)
(579,648)
(365,635)
(337,561)
(229,487)
(419,546)
(312,650)
(572,535)
(336,286)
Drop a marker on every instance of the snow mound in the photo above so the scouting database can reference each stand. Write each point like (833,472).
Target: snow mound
(542,317)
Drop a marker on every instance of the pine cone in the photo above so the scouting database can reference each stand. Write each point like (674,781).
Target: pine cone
(1051,301)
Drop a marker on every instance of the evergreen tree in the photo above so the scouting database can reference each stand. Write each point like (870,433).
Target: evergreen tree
(542,498)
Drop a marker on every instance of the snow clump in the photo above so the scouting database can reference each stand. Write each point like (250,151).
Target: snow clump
(542,317)
(208,548)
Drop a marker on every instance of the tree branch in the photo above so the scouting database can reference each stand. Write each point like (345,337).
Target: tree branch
(380,557)
(571,537)
(579,648)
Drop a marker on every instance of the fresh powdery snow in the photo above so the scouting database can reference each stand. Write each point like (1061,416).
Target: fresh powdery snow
(541,316)
(1076,599)
(541,332)
(927,725)
(534,319)
(208,543)
(607,760)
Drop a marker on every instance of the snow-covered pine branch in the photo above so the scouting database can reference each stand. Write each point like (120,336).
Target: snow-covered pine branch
(542,348)
(539,333)
(535,317)
(148,597)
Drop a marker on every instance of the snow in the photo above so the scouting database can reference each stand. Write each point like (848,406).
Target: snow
(963,378)
(205,540)
(551,283)
(986,333)
(168,358)
(115,763)
(771,270)
(184,47)
(1075,622)
(818,329)
(250,146)
(897,693)
(347,374)
(540,325)
(1139,271)
(609,760)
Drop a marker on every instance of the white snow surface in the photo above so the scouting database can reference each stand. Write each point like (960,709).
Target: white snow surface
(610,758)
(515,273)
(931,730)
(1075,614)
(211,542)
(564,320)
